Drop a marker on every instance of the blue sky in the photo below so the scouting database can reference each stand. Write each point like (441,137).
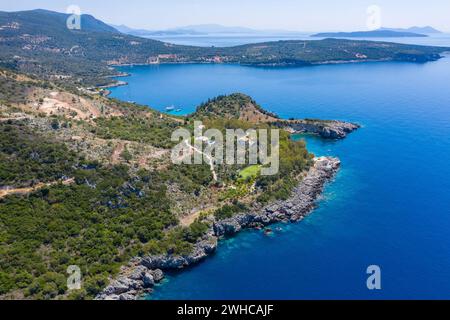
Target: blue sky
(299,15)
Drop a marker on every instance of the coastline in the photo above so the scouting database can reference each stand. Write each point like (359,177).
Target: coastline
(138,278)
(298,64)
(327,129)
(115,84)
(119,83)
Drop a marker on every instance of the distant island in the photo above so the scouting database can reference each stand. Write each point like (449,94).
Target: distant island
(370,34)
(423,30)
(217,29)
(198,30)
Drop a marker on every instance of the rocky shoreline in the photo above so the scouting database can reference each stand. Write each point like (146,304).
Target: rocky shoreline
(332,129)
(140,276)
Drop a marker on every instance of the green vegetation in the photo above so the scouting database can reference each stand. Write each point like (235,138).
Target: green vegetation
(294,159)
(126,155)
(14,90)
(190,178)
(250,172)
(154,131)
(11,91)
(223,113)
(227,211)
(228,107)
(195,231)
(27,158)
(98,223)
(177,241)
(240,190)
(110,214)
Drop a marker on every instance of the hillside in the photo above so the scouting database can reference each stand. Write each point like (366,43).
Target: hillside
(45,21)
(87,180)
(242,107)
(38,42)
(235,106)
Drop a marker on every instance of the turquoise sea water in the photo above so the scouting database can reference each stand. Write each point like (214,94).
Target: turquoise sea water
(389,205)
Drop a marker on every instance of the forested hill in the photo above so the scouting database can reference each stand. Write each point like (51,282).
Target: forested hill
(39,42)
(45,21)
(234,106)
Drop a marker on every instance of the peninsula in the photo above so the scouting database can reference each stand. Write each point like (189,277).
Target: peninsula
(87,180)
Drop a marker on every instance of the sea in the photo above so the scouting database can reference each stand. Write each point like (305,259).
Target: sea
(389,205)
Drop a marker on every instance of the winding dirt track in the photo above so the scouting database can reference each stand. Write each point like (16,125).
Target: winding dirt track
(115,157)
(21,191)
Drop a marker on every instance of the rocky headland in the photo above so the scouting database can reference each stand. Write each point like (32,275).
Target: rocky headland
(142,273)
(243,107)
(331,129)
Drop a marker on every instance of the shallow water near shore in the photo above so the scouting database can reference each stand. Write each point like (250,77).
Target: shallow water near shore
(389,204)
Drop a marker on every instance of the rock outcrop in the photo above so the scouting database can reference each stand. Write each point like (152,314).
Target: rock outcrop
(142,274)
(134,281)
(326,129)
(201,250)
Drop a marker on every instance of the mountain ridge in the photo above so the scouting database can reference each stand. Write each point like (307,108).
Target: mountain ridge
(39,42)
(57,19)
(415,29)
(200,29)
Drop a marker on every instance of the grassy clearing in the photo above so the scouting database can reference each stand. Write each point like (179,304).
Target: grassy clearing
(250,172)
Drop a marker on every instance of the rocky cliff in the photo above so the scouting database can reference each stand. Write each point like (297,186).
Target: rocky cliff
(326,129)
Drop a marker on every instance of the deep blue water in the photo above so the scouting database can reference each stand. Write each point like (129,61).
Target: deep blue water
(389,205)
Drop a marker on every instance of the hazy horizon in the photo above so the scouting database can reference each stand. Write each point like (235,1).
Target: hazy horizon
(286,15)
